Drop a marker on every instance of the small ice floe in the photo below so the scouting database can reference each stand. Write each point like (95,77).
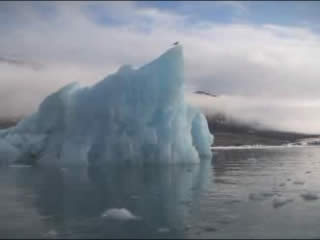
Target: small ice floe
(281,201)
(120,214)
(309,196)
(298,182)
(163,230)
(260,196)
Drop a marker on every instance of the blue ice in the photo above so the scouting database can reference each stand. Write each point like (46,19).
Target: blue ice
(136,116)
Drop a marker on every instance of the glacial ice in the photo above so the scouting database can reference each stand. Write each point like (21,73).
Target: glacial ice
(132,116)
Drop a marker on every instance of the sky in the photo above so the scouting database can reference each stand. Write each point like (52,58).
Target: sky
(259,57)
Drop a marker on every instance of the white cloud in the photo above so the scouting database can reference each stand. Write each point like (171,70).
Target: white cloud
(280,114)
(253,61)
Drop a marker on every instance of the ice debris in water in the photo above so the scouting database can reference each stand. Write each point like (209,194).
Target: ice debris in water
(309,196)
(121,214)
(133,115)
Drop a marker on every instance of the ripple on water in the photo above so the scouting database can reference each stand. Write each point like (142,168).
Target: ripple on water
(281,201)
(298,182)
(309,196)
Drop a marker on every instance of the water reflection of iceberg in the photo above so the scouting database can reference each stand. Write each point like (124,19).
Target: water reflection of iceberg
(75,198)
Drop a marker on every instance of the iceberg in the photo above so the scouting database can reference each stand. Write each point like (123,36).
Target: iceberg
(136,116)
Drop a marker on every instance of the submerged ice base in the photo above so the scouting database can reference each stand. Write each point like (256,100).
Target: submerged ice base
(131,116)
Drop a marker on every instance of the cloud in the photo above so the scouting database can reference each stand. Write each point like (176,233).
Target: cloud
(85,41)
(279,114)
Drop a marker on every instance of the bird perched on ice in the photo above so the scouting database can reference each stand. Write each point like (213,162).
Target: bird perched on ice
(176,43)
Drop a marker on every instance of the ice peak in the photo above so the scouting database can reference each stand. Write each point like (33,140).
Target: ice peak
(132,116)
(172,57)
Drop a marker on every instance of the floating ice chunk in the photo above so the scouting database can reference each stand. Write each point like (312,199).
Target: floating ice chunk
(132,116)
(121,214)
(309,196)
(281,201)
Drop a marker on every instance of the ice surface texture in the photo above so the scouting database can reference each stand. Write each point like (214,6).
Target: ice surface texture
(132,116)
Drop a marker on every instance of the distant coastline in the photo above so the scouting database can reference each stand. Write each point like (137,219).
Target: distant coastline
(8,122)
(230,133)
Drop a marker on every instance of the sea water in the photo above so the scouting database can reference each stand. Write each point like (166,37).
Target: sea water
(239,193)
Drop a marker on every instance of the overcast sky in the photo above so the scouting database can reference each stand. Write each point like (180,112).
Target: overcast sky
(260,57)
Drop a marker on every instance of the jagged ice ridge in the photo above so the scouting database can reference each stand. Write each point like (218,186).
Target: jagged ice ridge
(132,116)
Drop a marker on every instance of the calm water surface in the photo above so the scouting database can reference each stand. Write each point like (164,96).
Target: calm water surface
(240,193)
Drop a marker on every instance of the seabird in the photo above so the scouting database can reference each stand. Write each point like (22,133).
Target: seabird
(176,43)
